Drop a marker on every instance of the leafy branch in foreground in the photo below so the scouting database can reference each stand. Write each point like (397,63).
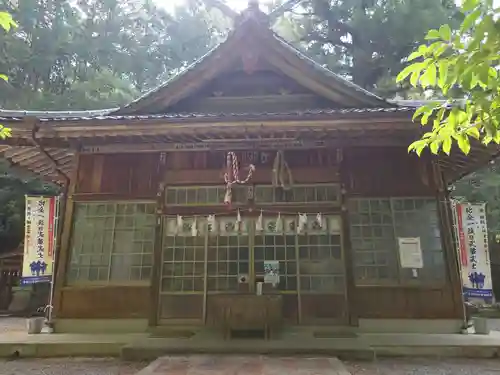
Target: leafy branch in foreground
(464,66)
(6,23)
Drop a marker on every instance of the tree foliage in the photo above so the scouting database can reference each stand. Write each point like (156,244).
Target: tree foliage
(6,23)
(64,49)
(367,40)
(463,65)
(13,187)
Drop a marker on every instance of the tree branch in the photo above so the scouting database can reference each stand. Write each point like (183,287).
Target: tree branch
(227,11)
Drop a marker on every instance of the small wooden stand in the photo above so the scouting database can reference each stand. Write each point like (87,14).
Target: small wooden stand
(251,312)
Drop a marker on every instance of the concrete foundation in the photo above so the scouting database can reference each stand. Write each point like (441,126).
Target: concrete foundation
(101,326)
(143,347)
(444,326)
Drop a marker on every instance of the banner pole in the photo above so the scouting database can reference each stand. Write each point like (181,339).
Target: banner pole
(50,307)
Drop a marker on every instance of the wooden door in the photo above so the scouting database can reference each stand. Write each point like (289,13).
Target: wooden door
(199,268)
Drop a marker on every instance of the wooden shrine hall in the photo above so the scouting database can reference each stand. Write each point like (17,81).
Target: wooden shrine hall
(256,190)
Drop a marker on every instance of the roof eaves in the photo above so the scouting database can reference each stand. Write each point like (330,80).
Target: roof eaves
(207,116)
(315,65)
(168,82)
(15,113)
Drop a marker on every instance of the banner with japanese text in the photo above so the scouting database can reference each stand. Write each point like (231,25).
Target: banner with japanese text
(39,238)
(472,230)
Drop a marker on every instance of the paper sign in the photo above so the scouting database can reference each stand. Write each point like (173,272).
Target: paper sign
(271,272)
(410,253)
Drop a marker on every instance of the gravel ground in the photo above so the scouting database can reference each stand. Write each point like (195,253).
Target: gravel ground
(69,366)
(409,366)
(416,366)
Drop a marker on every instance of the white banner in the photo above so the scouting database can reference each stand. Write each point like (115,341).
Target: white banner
(474,250)
(40,231)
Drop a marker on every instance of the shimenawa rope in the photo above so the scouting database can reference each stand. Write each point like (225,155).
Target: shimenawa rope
(232,175)
(282,174)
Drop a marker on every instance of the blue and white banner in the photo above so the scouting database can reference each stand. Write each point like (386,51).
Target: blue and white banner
(473,250)
(39,239)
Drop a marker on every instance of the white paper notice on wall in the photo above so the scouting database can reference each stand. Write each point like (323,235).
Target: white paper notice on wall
(410,252)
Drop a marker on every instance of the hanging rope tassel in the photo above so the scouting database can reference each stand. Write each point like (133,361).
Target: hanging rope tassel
(282,174)
(232,176)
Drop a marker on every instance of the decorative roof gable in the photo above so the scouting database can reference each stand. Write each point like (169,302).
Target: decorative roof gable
(252,41)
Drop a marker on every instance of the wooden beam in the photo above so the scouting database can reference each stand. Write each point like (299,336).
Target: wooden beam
(446,227)
(228,144)
(158,249)
(27,154)
(347,251)
(63,257)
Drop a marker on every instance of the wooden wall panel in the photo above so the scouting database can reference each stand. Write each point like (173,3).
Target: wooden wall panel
(290,308)
(105,302)
(261,176)
(135,175)
(181,306)
(406,303)
(387,172)
(324,307)
(85,173)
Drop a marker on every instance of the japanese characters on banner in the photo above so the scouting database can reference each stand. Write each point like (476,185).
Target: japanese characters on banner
(39,238)
(473,250)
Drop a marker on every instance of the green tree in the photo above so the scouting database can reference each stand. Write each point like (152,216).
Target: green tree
(6,23)
(462,65)
(13,187)
(61,46)
(367,40)
(483,186)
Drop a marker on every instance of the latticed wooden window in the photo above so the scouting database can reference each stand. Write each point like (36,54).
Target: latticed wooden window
(320,257)
(183,256)
(376,225)
(264,194)
(277,242)
(318,193)
(228,254)
(202,195)
(112,242)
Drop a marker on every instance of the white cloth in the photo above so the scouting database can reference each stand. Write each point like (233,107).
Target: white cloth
(180,223)
(211,223)
(194,228)
(319,219)
(302,223)
(259,227)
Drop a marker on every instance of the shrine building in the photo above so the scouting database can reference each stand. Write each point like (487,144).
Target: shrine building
(257,187)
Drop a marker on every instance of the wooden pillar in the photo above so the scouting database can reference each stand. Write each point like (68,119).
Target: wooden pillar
(447,238)
(157,250)
(62,252)
(346,240)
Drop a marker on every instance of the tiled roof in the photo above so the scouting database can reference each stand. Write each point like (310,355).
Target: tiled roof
(103,115)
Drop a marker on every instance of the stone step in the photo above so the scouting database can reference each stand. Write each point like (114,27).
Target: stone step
(244,365)
(152,348)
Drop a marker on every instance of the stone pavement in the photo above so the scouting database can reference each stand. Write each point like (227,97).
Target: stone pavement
(244,365)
